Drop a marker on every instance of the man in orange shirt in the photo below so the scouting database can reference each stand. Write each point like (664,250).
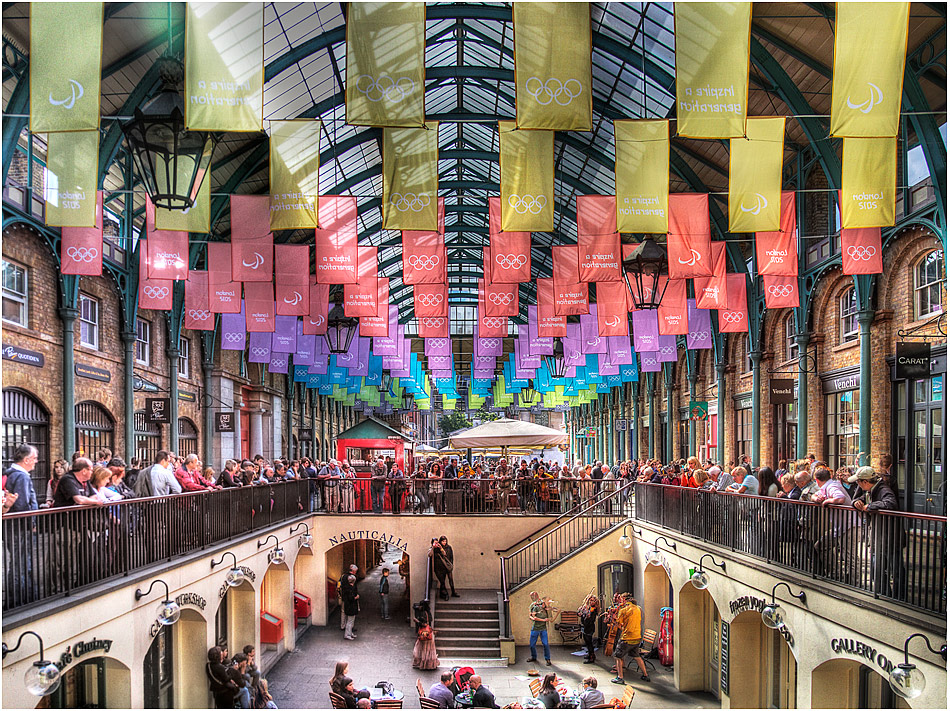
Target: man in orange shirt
(628,638)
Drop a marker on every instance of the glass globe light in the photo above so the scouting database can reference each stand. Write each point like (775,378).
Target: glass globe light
(773,616)
(42,678)
(168,612)
(625,542)
(699,579)
(306,540)
(234,577)
(654,557)
(277,556)
(907,681)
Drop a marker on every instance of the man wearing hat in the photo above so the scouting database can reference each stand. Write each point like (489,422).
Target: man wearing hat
(886,542)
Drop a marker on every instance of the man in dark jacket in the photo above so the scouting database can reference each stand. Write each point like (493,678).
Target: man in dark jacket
(19,481)
(223,688)
(450,554)
(351,606)
(482,697)
(886,535)
(377,487)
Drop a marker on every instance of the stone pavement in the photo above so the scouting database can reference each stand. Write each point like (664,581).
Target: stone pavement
(383,651)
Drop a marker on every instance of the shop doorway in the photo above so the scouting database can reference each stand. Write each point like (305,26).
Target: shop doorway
(785,442)
(370,557)
(848,684)
(613,577)
(697,641)
(173,676)
(101,683)
(235,618)
(763,672)
(657,594)
(159,671)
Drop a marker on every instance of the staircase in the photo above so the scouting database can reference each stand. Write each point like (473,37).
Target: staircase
(467,628)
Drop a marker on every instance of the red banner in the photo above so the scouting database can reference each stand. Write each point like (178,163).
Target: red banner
(549,324)
(153,293)
(80,250)
(736,318)
(430,300)
(598,242)
(224,295)
(781,292)
(336,240)
(198,316)
(501,299)
(672,312)
(378,325)
(252,242)
(259,313)
(570,294)
(711,291)
(689,238)
(776,253)
(431,327)
(167,250)
(510,252)
(292,269)
(359,299)
(489,326)
(423,254)
(315,323)
(611,311)
(861,251)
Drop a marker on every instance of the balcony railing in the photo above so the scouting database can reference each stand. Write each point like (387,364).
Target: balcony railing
(891,555)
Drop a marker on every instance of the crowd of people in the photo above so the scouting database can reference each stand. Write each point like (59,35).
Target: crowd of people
(236,682)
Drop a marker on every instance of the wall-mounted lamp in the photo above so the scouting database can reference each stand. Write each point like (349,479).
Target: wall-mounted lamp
(655,557)
(168,610)
(772,614)
(906,679)
(276,555)
(305,540)
(42,678)
(235,576)
(626,542)
(700,578)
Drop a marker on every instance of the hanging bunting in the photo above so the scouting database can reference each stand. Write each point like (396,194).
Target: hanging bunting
(411,178)
(234,331)
(870,50)
(755,176)
(336,240)
(861,251)
(224,66)
(868,182)
(378,325)
(153,293)
(80,249)
(65,66)
(196,218)
(689,240)
(258,347)
(285,335)
(781,292)
(430,300)
(294,174)
(315,323)
(526,160)
(598,242)
(776,253)
(570,294)
(71,168)
(441,347)
(252,242)
(735,319)
(429,327)
(646,333)
(611,310)
(359,299)
(260,312)
(385,64)
(198,315)
(423,254)
(700,327)
(306,347)
(550,325)
(711,291)
(642,150)
(501,299)
(619,351)
(712,68)
(553,65)
(278,363)
(292,272)
(537,344)
(672,314)
(591,340)
(224,295)
(510,260)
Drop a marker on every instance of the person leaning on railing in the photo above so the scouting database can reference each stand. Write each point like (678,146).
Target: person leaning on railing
(886,537)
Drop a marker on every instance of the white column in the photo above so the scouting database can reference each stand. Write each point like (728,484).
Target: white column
(257,432)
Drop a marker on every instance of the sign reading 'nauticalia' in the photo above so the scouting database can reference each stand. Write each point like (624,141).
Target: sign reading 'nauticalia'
(369,536)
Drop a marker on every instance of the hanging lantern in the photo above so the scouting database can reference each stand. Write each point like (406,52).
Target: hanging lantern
(556,364)
(386,383)
(641,272)
(340,330)
(528,396)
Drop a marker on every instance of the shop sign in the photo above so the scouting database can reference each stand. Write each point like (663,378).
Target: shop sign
(841,383)
(157,409)
(369,536)
(187,396)
(142,385)
(865,651)
(743,402)
(80,649)
(749,602)
(224,422)
(913,361)
(781,391)
(248,575)
(93,373)
(724,657)
(22,355)
(193,599)
(698,409)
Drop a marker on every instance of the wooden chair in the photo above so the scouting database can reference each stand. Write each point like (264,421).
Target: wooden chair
(337,701)
(426,703)
(535,686)
(603,706)
(649,642)
(389,703)
(570,626)
(627,698)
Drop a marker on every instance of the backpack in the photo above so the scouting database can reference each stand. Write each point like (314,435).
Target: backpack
(143,483)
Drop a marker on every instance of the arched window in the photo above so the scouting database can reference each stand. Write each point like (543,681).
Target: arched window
(26,421)
(791,345)
(928,285)
(848,314)
(187,437)
(148,438)
(95,429)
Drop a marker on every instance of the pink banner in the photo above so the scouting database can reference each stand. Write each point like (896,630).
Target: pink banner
(501,299)
(80,249)
(430,327)
(224,295)
(378,325)
(611,310)
(153,293)
(736,318)
(861,251)
(672,313)
(711,291)
(260,313)
(336,240)
(430,300)
(598,242)
(252,243)
(489,326)
(359,299)
(509,252)
(315,323)
(781,292)
(550,325)
(167,250)
(689,238)
(292,270)
(198,316)
(423,254)
(776,253)
(570,294)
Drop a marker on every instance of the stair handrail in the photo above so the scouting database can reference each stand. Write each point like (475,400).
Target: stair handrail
(428,575)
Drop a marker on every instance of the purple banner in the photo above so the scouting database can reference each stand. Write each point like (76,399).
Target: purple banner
(306,346)
(285,335)
(646,331)
(234,331)
(443,374)
(605,367)
(386,345)
(573,353)
(618,350)
(483,362)
(351,358)
(522,357)
(278,362)
(258,350)
(320,366)
(488,346)
(667,350)
(437,346)
(440,362)
(700,327)
(650,362)
(537,346)
(484,374)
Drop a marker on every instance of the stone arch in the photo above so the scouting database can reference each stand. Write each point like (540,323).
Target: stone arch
(838,682)
(900,258)
(697,642)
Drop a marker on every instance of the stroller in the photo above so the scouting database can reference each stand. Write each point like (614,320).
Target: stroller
(461,676)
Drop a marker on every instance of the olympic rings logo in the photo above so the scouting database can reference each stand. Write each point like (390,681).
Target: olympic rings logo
(409,201)
(278,363)
(199,314)
(667,350)
(500,299)
(430,299)
(732,316)
(490,342)
(554,90)
(155,292)
(494,322)
(82,254)
(484,359)
(861,253)
(511,261)
(438,360)
(699,335)
(438,342)
(649,361)
(394,90)
(523,204)
(260,352)
(433,322)
(234,337)
(695,257)
(425,263)
(780,291)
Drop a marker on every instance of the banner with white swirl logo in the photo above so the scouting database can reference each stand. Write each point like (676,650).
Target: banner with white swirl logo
(385,64)
(430,300)
(294,174)
(360,299)
(315,322)
(252,242)
(196,218)
(335,241)
(868,182)
(198,315)
(168,252)
(526,160)
(424,255)
(598,242)
(861,251)
(224,66)
(689,240)
(553,65)
(642,174)
(224,295)
(234,330)
(755,175)
(591,340)
(870,51)
(735,319)
(712,68)
(699,335)
(711,291)
(65,66)
(411,178)
(293,279)
(80,249)
(501,299)
(776,253)
(672,314)
(259,310)
(378,325)
(258,347)
(550,325)
(606,367)
(611,310)
(72,162)
(285,334)
(509,255)
(781,292)
(153,293)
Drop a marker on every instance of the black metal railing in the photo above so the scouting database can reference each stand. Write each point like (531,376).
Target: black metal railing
(57,551)
(889,554)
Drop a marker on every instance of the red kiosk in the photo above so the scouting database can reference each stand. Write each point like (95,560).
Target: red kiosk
(362,444)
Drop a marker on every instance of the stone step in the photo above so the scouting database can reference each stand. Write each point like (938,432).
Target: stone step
(481,662)
(456,629)
(460,640)
(460,619)
(465,652)
(456,604)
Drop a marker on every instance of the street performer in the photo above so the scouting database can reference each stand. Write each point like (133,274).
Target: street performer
(629,638)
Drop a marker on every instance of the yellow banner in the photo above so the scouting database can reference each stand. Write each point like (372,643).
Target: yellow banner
(411,178)
(527,179)
(552,65)
(72,164)
(712,68)
(197,218)
(870,47)
(224,66)
(294,173)
(65,66)
(385,64)
(643,175)
(868,182)
(755,176)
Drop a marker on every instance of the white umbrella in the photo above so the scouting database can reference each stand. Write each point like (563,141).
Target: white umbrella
(508,433)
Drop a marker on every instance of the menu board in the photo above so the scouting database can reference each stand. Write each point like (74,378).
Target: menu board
(363,458)
(724,657)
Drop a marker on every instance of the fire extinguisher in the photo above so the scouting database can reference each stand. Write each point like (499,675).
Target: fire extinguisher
(666,636)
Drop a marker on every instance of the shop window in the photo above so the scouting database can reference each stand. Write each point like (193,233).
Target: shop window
(743,432)
(848,315)
(928,285)
(95,429)
(143,341)
(842,427)
(184,357)
(743,355)
(15,304)
(791,331)
(88,321)
(26,421)
(187,437)
(148,438)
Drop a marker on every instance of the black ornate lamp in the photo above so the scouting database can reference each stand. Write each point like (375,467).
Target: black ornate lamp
(235,576)
(700,578)
(641,273)
(773,616)
(528,396)
(340,330)
(556,363)
(168,610)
